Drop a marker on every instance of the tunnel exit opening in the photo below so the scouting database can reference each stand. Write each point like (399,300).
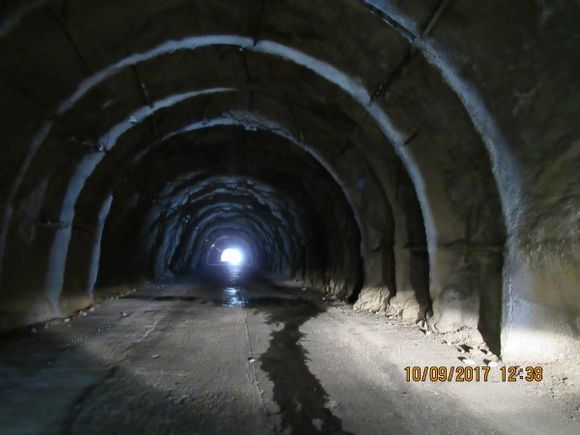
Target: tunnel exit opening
(230,251)
(232,257)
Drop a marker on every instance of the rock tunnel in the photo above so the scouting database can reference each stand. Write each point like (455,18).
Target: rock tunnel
(417,158)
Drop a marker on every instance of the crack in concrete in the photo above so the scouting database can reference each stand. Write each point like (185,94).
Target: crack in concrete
(146,99)
(434,18)
(253,367)
(394,75)
(70,39)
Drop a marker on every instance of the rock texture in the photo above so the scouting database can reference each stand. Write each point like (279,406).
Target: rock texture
(423,153)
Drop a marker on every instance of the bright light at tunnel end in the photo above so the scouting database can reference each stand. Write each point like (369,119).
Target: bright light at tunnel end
(232,257)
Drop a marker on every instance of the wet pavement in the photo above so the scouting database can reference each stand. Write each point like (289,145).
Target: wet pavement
(234,353)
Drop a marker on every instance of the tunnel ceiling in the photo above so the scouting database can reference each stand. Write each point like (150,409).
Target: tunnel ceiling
(408,151)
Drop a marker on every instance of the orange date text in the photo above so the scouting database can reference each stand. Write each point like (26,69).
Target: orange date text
(472,374)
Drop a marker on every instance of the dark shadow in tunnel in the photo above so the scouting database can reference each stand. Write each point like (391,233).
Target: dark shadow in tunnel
(359,283)
(110,399)
(419,276)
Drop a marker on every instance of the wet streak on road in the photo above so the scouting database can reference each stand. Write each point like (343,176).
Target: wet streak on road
(302,400)
(299,394)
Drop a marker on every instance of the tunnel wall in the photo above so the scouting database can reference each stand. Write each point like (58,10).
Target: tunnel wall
(450,132)
(519,104)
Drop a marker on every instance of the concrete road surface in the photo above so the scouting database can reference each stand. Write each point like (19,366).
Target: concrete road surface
(248,358)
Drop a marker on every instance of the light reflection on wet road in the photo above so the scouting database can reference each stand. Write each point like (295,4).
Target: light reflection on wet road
(233,298)
(234,294)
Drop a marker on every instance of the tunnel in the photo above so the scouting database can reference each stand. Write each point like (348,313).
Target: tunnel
(273,165)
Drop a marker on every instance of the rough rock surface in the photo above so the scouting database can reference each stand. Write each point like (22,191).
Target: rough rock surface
(426,147)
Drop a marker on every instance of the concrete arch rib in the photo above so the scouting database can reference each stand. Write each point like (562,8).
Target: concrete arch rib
(323,69)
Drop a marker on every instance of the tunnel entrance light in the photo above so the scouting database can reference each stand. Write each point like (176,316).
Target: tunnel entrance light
(232,257)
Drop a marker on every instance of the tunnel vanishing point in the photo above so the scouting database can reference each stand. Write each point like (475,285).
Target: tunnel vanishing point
(416,157)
